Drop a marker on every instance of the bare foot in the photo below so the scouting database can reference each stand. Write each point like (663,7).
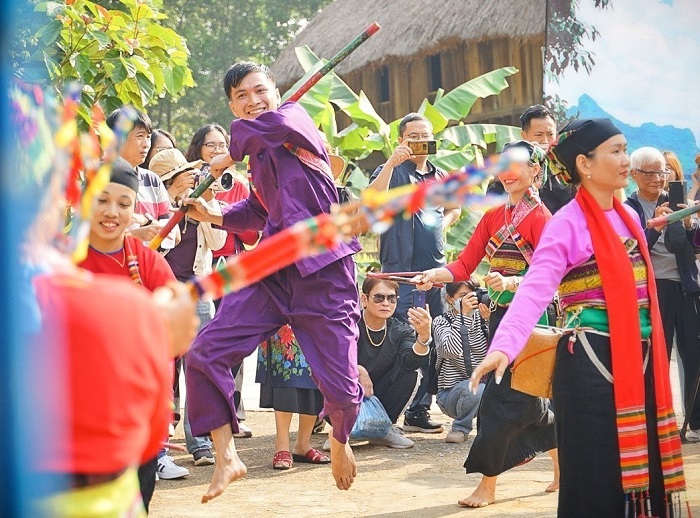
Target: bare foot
(483,495)
(343,465)
(554,486)
(225,472)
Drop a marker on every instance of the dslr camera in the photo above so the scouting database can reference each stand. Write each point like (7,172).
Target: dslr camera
(482,295)
(223,183)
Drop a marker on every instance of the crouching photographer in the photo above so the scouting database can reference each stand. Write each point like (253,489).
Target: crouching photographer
(460,336)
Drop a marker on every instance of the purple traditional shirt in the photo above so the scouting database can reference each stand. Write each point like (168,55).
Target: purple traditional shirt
(290,190)
(564,245)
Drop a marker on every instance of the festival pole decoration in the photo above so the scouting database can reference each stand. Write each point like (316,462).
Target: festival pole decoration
(673,216)
(375,211)
(315,78)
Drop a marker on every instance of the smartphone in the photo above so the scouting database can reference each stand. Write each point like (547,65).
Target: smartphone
(418,299)
(676,194)
(423,147)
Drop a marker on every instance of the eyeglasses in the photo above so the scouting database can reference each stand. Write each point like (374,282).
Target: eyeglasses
(216,146)
(419,136)
(378,298)
(650,174)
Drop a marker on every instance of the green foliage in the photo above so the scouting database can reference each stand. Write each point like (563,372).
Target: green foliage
(459,143)
(121,56)
(219,33)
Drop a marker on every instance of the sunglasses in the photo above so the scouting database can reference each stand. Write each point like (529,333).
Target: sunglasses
(379,298)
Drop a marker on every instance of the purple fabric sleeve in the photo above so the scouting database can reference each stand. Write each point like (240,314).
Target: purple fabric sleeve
(248,214)
(565,244)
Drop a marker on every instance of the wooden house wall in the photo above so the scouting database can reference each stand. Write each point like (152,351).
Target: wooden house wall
(409,80)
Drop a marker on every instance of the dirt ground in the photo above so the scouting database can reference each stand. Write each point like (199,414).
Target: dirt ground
(423,482)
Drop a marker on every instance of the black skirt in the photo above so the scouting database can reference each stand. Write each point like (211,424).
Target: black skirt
(589,455)
(289,399)
(512,427)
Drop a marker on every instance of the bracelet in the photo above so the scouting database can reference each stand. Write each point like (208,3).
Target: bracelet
(424,344)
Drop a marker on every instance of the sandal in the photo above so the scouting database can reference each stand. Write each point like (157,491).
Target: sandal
(313,456)
(282,460)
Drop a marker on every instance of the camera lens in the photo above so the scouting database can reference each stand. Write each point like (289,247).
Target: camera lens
(226,181)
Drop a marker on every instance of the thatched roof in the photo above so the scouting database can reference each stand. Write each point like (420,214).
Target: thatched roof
(410,28)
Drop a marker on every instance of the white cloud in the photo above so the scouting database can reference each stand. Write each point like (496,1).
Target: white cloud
(647,62)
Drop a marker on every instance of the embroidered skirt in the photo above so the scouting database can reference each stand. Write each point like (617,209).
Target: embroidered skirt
(589,458)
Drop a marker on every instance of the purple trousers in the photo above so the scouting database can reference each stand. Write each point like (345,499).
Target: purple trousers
(323,311)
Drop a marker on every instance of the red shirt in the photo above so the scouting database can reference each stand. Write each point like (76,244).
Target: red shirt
(153,268)
(530,228)
(112,346)
(238,192)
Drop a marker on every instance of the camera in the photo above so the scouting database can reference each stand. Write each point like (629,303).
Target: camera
(482,295)
(423,147)
(223,183)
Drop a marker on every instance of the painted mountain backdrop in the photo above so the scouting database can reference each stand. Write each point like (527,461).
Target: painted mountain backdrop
(666,138)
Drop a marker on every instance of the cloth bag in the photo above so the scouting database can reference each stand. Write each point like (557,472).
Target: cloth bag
(372,420)
(533,369)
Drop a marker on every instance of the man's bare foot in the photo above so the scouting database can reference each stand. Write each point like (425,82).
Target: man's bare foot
(554,486)
(483,495)
(229,466)
(343,464)
(225,472)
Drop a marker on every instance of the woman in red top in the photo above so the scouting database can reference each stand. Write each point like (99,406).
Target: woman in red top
(513,427)
(115,252)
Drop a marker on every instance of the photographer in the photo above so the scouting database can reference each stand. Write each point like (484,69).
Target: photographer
(461,335)
(416,243)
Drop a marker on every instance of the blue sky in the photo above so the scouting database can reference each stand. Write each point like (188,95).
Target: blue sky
(647,62)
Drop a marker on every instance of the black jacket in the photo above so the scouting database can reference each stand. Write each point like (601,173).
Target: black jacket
(678,241)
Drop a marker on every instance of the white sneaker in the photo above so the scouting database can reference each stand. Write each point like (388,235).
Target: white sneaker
(455,436)
(692,435)
(171,430)
(244,431)
(168,470)
(327,445)
(393,439)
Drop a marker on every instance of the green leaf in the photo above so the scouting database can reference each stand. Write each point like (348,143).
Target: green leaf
(103,40)
(117,73)
(436,118)
(146,87)
(457,103)
(82,64)
(130,67)
(49,32)
(452,160)
(480,135)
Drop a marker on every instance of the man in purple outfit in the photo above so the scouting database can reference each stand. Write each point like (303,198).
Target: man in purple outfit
(317,296)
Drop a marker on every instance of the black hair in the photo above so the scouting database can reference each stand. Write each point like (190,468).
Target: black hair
(154,138)
(538,111)
(370,282)
(194,151)
(142,120)
(240,70)
(411,117)
(452,288)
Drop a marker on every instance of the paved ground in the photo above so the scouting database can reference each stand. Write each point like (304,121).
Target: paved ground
(423,482)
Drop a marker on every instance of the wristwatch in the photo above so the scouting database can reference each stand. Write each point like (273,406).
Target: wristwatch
(425,344)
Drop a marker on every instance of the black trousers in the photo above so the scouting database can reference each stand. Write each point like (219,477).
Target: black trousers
(147,480)
(680,314)
(394,389)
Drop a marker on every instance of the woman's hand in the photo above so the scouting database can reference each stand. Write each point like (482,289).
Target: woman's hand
(498,282)
(365,382)
(424,281)
(146,233)
(485,312)
(421,321)
(497,361)
(181,183)
(219,164)
(469,303)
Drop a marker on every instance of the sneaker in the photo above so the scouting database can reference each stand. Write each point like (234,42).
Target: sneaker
(393,439)
(326,445)
(319,426)
(421,422)
(203,457)
(455,436)
(168,470)
(171,430)
(244,431)
(692,435)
